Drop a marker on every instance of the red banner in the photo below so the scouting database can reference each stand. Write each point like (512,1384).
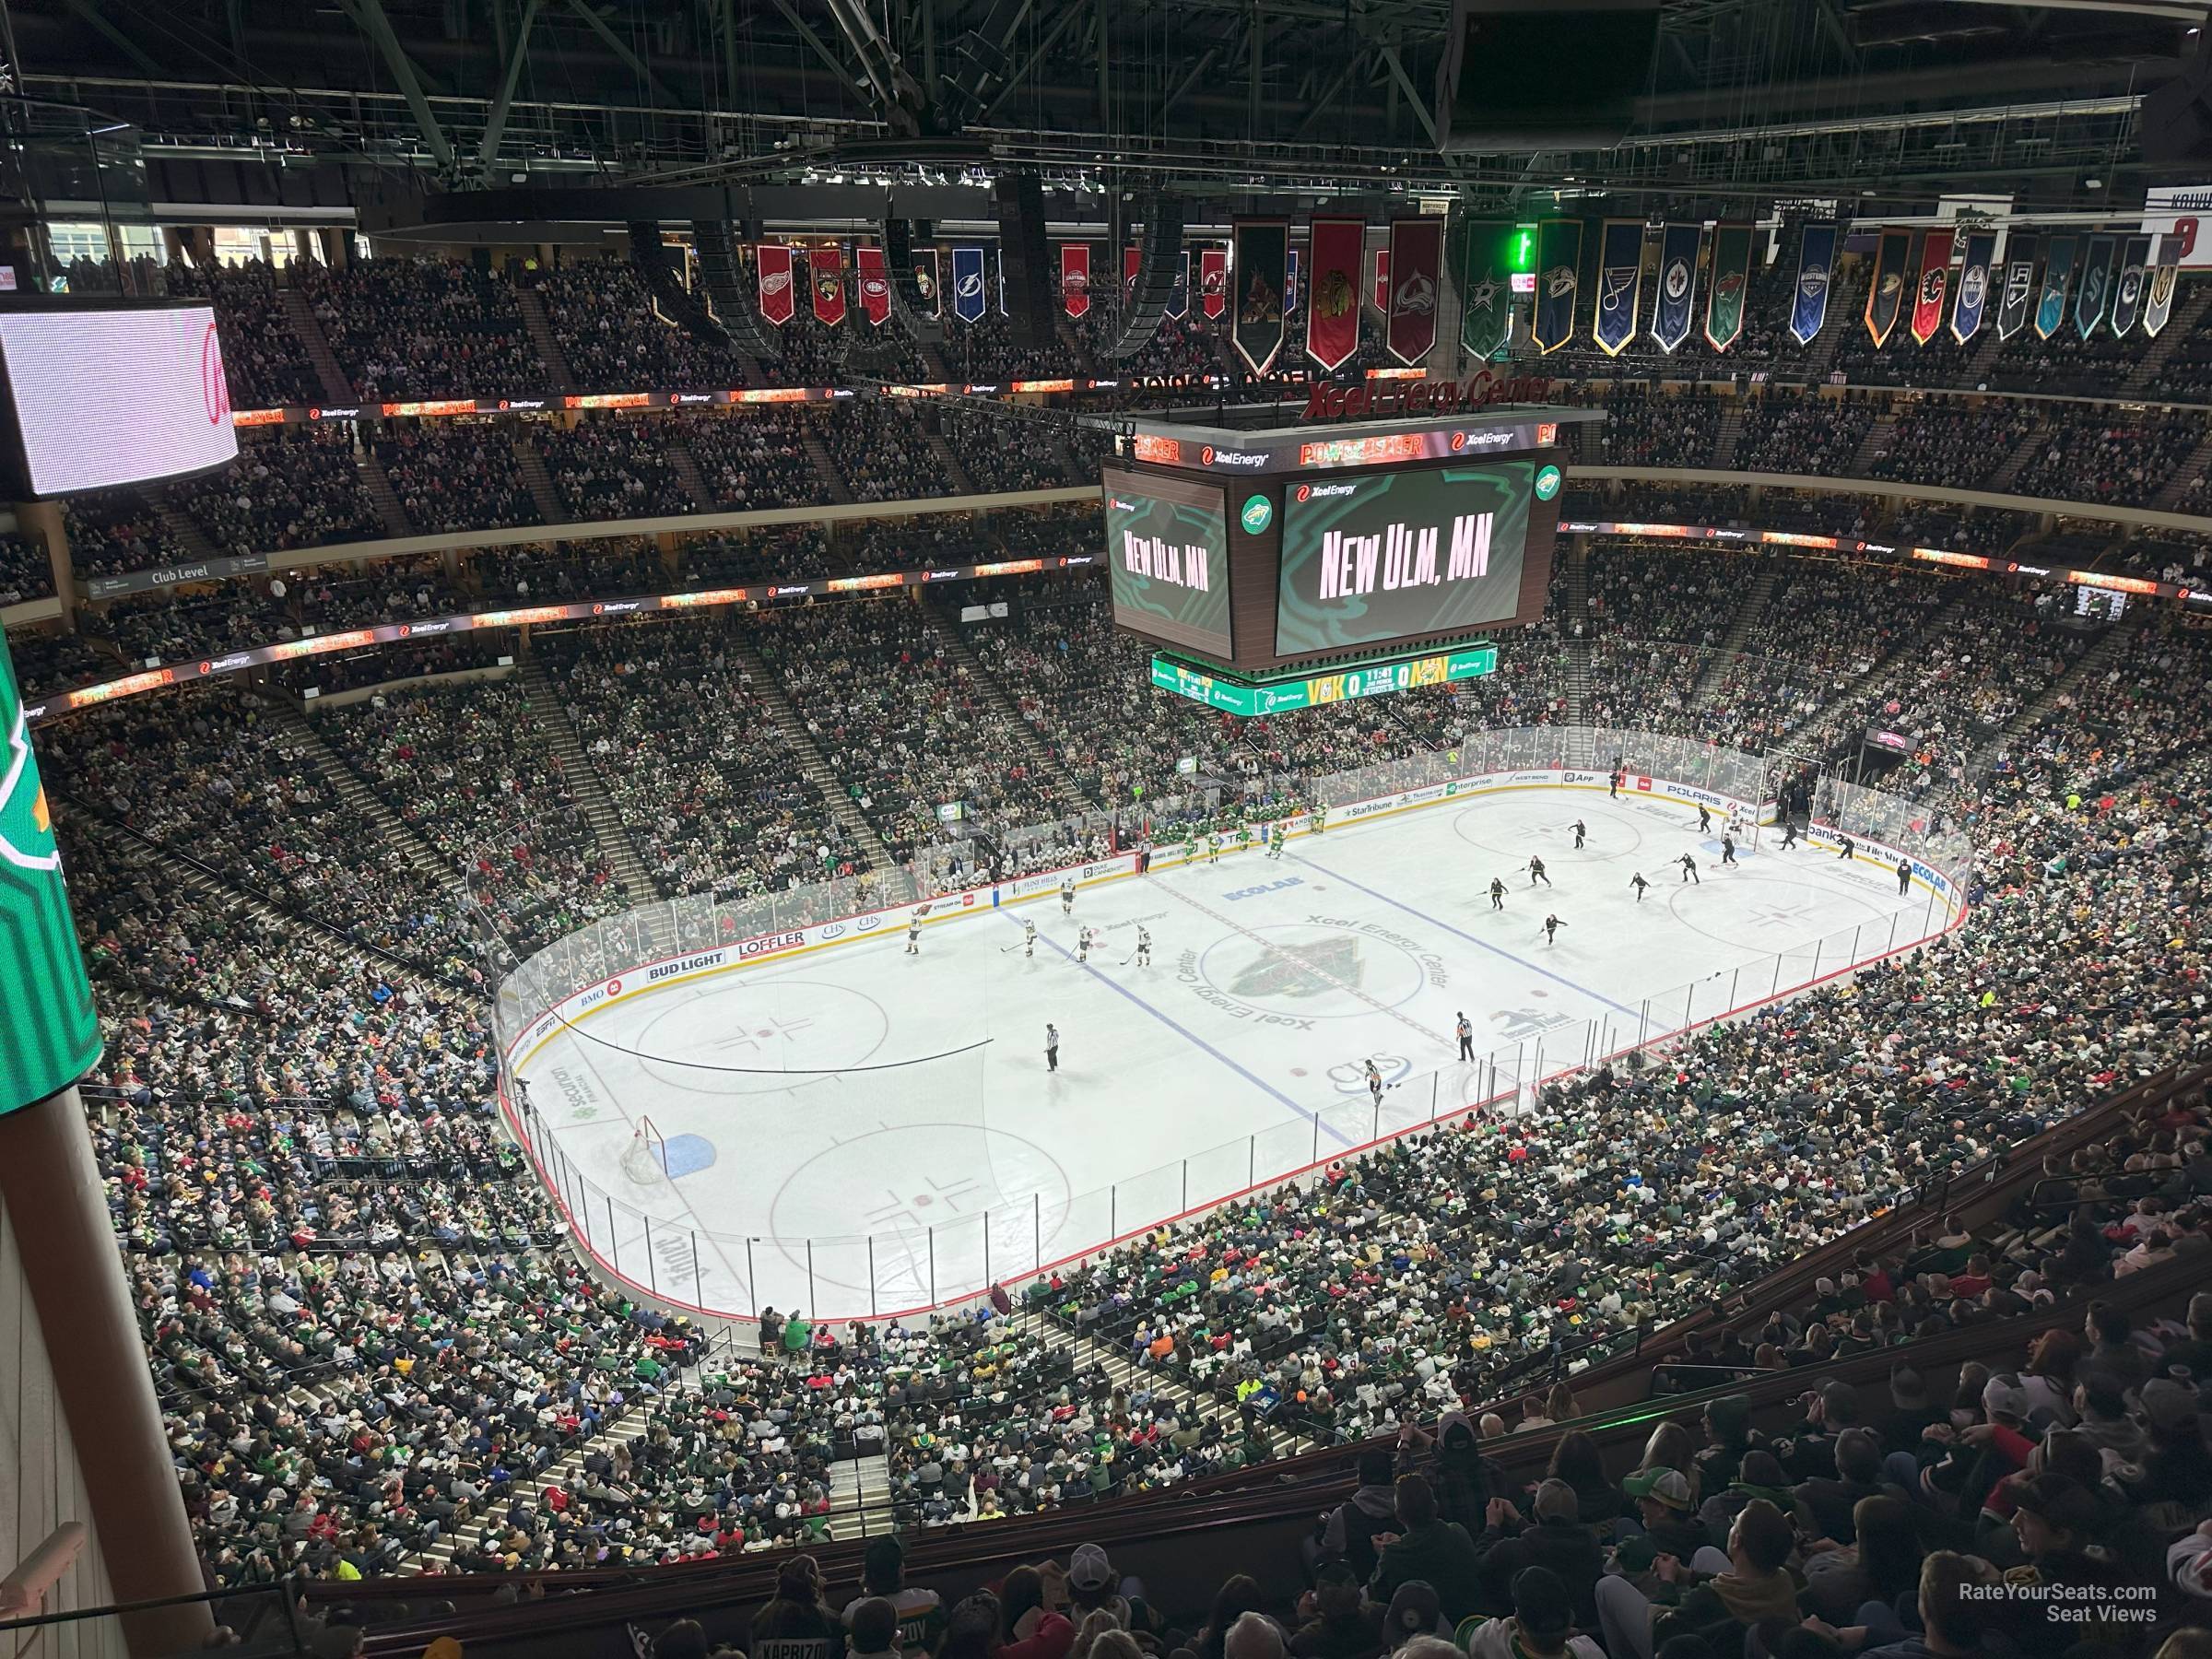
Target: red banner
(826,267)
(1415,260)
(1382,280)
(1075,278)
(773,262)
(1333,290)
(874,285)
(1212,281)
(1928,294)
(1130,259)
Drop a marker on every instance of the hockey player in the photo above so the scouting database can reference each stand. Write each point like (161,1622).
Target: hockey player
(1213,846)
(1689,870)
(1789,833)
(1638,883)
(1190,850)
(1535,873)
(1704,820)
(913,933)
(1029,936)
(1319,817)
(1904,877)
(1580,829)
(1144,948)
(1551,929)
(1068,895)
(1083,945)
(1244,838)
(1051,1047)
(1274,840)
(1727,850)
(1613,789)
(1850,847)
(1374,1083)
(1497,893)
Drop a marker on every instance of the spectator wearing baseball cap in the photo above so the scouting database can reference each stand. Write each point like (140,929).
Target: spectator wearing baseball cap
(1663,1503)
(1541,1626)
(1345,1624)
(1558,1541)
(1093,1586)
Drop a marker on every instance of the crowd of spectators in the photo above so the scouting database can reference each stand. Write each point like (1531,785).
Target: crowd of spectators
(882,453)
(1644,427)
(453,475)
(112,531)
(1950,443)
(264,362)
(752,458)
(291,486)
(612,339)
(423,328)
(2087,452)
(25,570)
(1813,436)
(611,466)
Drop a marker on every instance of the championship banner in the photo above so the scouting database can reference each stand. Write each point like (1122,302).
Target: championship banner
(1290,282)
(1075,278)
(2058,271)
(1619,285)
(1263,253)
(1213,282)
(1886,287)
(1417,271)
(928,279)
(1179,296)
(2095,291)
(2165,275)
(2019,284)
(874,285)
(1808,299)
(1731,282)
(1972,299)
(827,266)
(771,264)
(1559,281)
(1486,287)
(51,1036)
(1382,280)
(1677,302)
(1130,259)
(969,300)
(2127,293)
(1333,290)
(1928,289)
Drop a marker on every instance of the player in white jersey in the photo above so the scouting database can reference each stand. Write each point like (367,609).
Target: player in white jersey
(1144,948)
(1068,895)
(1029,936)
(1083,945)
(913,933)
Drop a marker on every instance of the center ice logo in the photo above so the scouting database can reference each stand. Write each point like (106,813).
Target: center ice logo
(1310,969)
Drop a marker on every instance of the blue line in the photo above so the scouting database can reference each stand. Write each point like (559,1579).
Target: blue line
(1194,1039)
(1470,938)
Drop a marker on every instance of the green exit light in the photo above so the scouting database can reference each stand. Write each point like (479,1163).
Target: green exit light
(1523,248)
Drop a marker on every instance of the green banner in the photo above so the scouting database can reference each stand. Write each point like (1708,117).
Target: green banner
(1731,281)
(50,1036)
(1486,286)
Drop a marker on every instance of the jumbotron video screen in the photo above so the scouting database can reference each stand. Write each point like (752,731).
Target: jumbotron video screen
(1167,545)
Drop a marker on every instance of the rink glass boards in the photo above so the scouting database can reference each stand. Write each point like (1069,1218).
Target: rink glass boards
(50,1035)
(1369,557)
(1167,548)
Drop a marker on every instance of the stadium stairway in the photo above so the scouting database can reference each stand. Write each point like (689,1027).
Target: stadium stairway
(405,842)
(1998,482)
(2188,311)
(2087,669)
(763,680)
(1729,433)
(961,483)
(607,828)
(860,1497)
(2169,494)
(1732,642)
(308,329)
(541,329)
(818,453)
(381,496)
(1877,439)
(1574,641)
(1824,729)
(685,465)
(1065,794)
(543,495)
(181,525)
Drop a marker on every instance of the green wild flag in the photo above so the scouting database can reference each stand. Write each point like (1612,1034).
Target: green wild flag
(1486,287)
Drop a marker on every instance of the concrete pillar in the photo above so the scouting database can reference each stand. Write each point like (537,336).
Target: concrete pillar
(40,521)
(70,1264)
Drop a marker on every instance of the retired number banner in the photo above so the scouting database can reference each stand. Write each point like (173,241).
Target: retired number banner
(1886,287)
(1559,281)
(1731,283)
(1677,305)
(772,266)
(827,268)
(1333,289)
(1928,291)
(1263,256)
(874,285)
(1808,299)
(1416,270)
(1619,285)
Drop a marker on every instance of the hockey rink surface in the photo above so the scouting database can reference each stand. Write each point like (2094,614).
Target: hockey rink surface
(956,1159)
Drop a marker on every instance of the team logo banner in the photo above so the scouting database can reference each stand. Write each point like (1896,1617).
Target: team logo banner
(1416,273)
(2095,291)
(828,266)
(874,285)
(1808,300)
(2018,279)
(2058,272)
(1927,292)
(1131,260)
(1559,281)
(1678,301)
(1619,285)
(1263,258)
(1731,283)
(2127,293)
(969,300)
(1972,297)
(1886,287)
(926,281)
(1290,282)
(771,264)
(2165,275)
(1486,287)
(51,1036)
(1213,282)
(1075,278)
(1383,281)
(1333,290)
(1179,297)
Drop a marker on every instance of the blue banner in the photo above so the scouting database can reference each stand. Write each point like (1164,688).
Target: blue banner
(969,300)
(1973,285)
(1179,297)
(2095,289)
(1559,281)
(1808,299)
(2058,270)
(1619,285)
(1677,299)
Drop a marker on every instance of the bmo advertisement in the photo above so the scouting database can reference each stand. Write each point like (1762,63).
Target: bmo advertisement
(1167,548)
(1369,557)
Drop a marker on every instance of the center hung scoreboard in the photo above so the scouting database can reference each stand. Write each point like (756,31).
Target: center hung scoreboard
(1294,565)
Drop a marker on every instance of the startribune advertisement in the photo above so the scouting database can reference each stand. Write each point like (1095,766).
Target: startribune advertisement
(50,1035)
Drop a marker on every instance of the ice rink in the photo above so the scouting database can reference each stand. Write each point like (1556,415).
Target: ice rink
(861,1131)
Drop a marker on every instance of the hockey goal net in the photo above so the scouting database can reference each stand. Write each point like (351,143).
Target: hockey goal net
(645,1160)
